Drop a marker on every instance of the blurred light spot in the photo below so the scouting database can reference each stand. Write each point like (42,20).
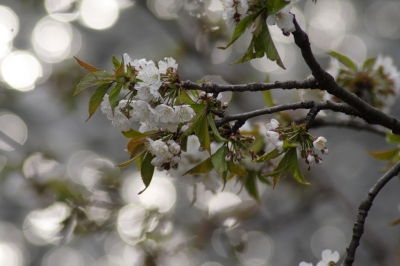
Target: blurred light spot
(99,14)
(214,11)
(20,70)
(173,259)
(225,242)
(5,49)
(52,40)
(219,56)
(165,9)
(354,48)
(215,5)
(383,19)
(10,255)
(230,223)
(3,161)
(326,39)
(223,202)
(323,16)
(13,127)
(82,168)
(210,263)
(109,261)
(160,195)
(130,255)
(63,256)
(9,24)
(348,14)
(264,64)
(62,10)
(328,237)
(37,166)
(130,223)
(43,226)
(258,249)
(122,4)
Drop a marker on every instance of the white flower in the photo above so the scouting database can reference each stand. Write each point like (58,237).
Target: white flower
(150,76)
(310,159)
(147,93)
(319,143)
(234,11)
(328,257)
(166,113)
(305,264)
(273,124)
(168,62)
(283,19)
(127,60)
(160,149)
(142,112)
(185,113)
(118,119)
(174,147)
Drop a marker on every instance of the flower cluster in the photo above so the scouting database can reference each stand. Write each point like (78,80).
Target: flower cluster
(328,259)
(145,98)
(377,82)
(167,154)
(278,135)
(283,19)
(234,11)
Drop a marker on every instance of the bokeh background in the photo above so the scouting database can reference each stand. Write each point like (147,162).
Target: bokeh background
(62,201)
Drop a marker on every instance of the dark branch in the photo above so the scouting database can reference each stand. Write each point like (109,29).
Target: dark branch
(309,83)
(363,209)
(326,82)
(336,107)
(357,125)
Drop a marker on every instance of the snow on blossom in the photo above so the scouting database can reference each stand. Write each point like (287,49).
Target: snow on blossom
(329,258)
(168,63)
(319,143)
(119,118)
(234,11)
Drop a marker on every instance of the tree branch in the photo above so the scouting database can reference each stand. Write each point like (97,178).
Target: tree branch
(285,85)
(357,125)
(363,209)
(336,107)
(326,82)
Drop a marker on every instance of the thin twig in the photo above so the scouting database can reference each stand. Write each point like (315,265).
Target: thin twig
(326,82)
(336,107)
(309,83)
(363,209)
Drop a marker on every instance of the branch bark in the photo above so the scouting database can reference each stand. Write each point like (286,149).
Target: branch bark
(363,210)
(326,82)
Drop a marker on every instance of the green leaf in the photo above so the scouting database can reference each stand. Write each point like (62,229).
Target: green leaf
(236,169)
(217,135)
(295,169)
(114,94)
(385,155)
(116,63)
(147,170)
(184,142)
(200,128)
(395,222)
(91,79)
(343,59)
(392,138)
(274,6)
(268,100)
(218,159)
(97,98)
(87,66)
(224,178)
(239,30)
(262,179)
(251,185)
(269,155)
(270,49)
(133,134)
(132,143)
(197,107)
(369,63)
(137,151)
(203,167)
(185,98)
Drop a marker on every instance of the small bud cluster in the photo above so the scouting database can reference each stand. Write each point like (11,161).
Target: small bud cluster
(310,155)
